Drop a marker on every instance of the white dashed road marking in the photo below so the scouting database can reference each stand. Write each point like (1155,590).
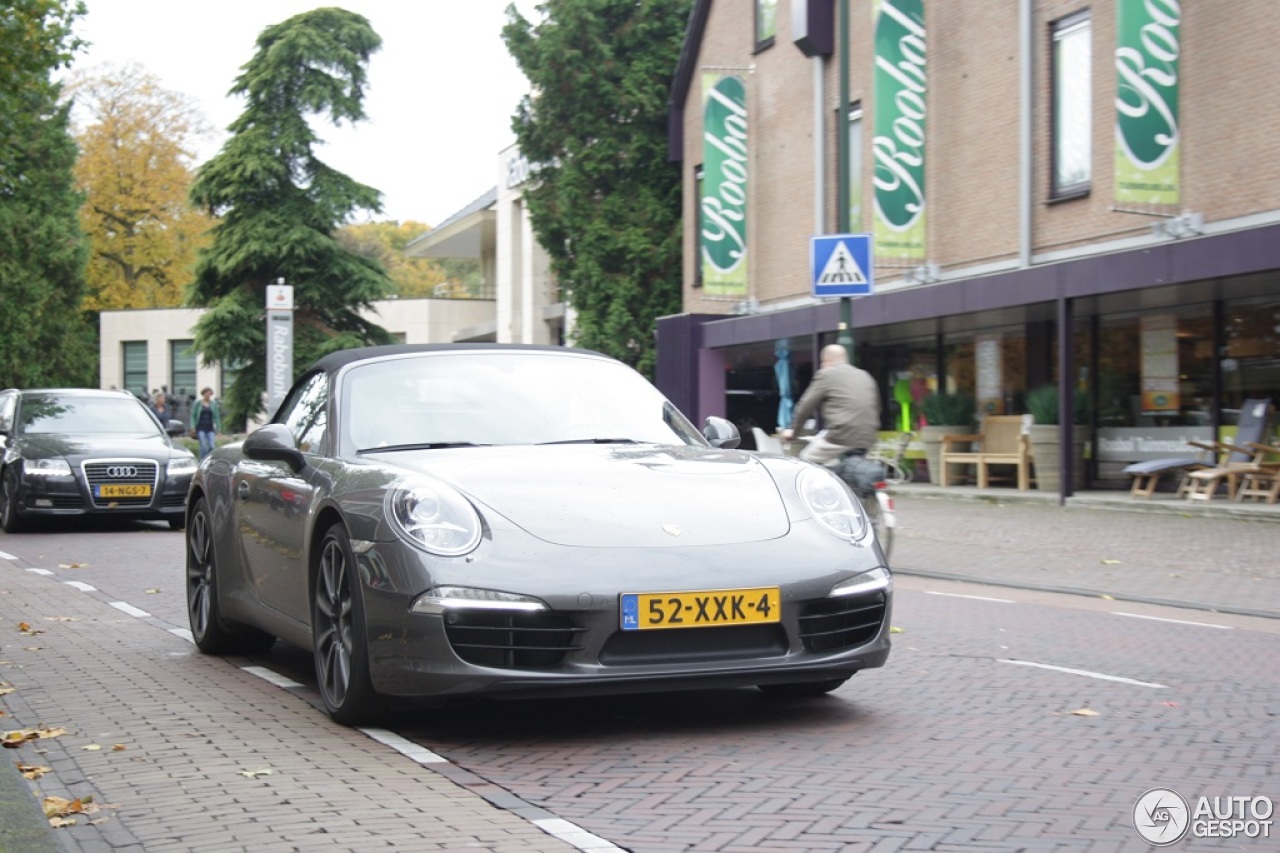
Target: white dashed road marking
(1175,621)
(1087,673)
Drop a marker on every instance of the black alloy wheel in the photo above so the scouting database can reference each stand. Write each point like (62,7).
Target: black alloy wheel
(338,627)
(10,518)
(211,636)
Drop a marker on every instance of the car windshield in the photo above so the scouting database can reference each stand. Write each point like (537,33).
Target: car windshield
(504,398)
(46,413)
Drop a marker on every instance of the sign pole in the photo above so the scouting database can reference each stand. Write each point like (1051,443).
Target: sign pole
(279,343)
(845,335)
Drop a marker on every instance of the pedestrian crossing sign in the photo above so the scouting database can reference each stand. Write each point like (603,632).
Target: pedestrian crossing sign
(841,265)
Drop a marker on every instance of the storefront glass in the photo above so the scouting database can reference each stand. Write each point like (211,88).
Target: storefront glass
(1250,354)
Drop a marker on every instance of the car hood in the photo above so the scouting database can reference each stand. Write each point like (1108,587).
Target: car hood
(79,447)
(620,496)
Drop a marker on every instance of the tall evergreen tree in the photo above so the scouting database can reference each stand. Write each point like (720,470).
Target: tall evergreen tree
(606,202)
(280,206)
(44,338)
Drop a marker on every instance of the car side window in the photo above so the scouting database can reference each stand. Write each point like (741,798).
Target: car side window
(8,402)
(306,413)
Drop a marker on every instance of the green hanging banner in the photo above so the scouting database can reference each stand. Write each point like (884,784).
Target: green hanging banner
(898,134)
(1148,44)
(723,206)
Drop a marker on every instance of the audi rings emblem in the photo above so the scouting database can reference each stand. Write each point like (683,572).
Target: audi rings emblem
(121,471)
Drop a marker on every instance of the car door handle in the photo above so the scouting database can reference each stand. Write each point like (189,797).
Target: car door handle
(243,490)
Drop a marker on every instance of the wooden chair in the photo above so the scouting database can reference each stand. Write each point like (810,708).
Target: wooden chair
(1001,442)
(1263,483)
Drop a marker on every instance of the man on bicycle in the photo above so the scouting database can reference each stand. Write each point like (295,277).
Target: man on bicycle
(849,400)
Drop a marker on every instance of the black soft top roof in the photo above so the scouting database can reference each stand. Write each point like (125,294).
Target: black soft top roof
(335,360)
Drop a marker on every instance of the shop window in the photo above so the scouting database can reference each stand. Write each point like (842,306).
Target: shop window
(766,23)
(1156,370)
(1072,108)
(1250,354)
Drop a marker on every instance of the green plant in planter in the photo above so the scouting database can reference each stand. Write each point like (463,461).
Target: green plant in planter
(1042,403)
(948,409)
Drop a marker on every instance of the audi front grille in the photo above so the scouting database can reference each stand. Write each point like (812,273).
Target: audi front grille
(121,482)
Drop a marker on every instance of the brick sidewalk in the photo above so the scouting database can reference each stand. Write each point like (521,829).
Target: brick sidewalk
(211,758)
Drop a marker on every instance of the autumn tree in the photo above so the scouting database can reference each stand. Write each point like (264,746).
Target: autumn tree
(135,169)
(411,278)
(280,207)
(44,337)
(606,202)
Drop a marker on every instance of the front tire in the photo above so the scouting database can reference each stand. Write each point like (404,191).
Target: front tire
(211,636)
(10,518)
(340,640)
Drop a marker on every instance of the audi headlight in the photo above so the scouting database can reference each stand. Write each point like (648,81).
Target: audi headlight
(182,465)
(434,517)
(46,468)
(831,503)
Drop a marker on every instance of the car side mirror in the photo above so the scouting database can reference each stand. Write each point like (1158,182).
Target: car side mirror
(274,443)
(721,433)
(175,428)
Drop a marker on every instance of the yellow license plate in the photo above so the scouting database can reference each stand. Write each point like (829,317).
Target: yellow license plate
(703,609)
(143,491)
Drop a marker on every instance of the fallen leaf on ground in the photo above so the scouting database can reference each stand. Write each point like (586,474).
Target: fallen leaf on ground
(1107,597)
(23,626)
(1110,562)
(894,629)
(62,619)
(61,807)
(73,565)
(92,747)
(18,737)
(5,690)
(1085,712)
(254,774)
(152,591)
(32,648)
(59,822)
(27,631)
(33,771)
(119,747)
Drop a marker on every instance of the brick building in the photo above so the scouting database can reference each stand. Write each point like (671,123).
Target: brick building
(1060,193)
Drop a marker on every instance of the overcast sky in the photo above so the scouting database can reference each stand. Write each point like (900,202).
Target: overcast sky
(440,97)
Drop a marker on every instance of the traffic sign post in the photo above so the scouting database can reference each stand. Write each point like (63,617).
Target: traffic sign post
(840,265)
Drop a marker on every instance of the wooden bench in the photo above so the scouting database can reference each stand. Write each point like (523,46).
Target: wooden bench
(1001,442)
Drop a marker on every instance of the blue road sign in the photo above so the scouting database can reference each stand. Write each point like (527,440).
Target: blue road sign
(840,265)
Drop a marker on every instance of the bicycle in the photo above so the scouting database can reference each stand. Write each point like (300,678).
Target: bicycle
(868,478)
(892,454)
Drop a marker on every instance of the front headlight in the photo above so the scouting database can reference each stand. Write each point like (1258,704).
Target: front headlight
(444,598)
(434,517)
(46,468)
(182,465)
(876,579)
(831,503)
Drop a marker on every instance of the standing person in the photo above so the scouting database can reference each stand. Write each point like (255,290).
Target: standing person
(207,416)
(160,406)
(849,400)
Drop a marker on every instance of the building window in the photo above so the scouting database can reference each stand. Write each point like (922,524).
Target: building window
(134,360)
(855,168)
(766,23)
(182,369)
(697,196)
(1072,107)
(230,370)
